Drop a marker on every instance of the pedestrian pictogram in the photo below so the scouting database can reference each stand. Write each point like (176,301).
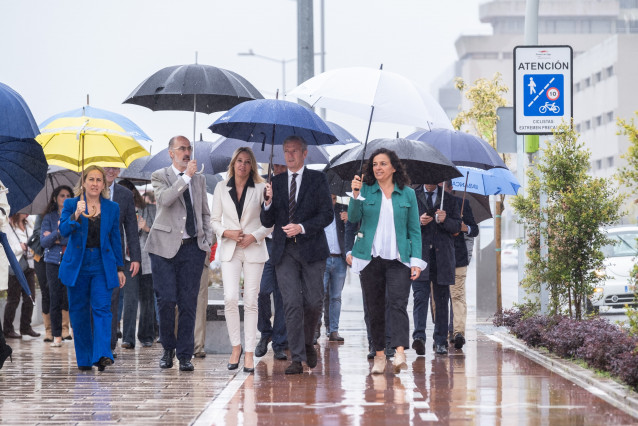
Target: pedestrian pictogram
(543,97)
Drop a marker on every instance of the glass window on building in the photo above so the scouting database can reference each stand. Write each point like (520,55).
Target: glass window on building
(587,124)
(599,120)
(609,71)
(600,26)
(577,87)
(586,83)
(610,162)
(578,128)
(610,116)
(598,76)
(599,164)
(565,26)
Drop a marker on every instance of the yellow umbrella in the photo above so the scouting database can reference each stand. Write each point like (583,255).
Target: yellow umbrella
(108,139)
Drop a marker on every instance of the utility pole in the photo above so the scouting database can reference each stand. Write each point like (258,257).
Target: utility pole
(305,41)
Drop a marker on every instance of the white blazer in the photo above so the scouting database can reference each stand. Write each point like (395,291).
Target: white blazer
(224,216)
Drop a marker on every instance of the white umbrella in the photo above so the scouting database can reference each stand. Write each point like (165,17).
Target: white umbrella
(382,96)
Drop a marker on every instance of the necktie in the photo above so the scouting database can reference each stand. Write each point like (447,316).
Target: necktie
(292,203)
(190,216)
(429,204)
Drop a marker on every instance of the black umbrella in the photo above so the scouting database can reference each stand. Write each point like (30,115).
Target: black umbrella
(134,171)
(480,205)
(213,164)
(194,87)
(56,176)
(423,163)
(337,185)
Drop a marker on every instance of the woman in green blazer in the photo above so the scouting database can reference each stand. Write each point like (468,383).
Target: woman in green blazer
(387,250)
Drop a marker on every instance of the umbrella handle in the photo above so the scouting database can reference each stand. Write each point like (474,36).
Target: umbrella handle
(82,196)
(201,171)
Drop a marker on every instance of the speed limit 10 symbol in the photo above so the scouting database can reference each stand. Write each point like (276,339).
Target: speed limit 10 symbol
(553,93)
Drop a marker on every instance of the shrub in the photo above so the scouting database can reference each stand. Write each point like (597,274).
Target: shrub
(566,337)
(531,329)
(604,343)
(624,366)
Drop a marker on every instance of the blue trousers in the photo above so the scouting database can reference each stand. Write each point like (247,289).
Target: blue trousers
(333,281)
(176,283)
(90,311)
(268,286)
(441,294)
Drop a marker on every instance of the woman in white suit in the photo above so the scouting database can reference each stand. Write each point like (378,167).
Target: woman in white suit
(235,218)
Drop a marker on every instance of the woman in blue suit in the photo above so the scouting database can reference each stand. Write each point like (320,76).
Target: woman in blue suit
(387,250)
(91,267)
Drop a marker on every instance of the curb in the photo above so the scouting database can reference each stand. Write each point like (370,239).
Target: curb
(620,396)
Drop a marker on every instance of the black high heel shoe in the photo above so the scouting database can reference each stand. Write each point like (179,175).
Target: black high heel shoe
(5,353)
(235,365)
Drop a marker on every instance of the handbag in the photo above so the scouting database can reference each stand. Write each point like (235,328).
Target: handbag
(34,244)
(24,264)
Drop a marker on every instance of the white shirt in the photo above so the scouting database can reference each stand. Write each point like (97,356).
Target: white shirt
(297,180)
(187,179)
(332,237)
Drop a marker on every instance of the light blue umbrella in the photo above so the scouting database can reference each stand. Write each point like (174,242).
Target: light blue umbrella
(487,182)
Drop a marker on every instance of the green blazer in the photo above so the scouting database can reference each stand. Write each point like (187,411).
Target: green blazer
(406,221)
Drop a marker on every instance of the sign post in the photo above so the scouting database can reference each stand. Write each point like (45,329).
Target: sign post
(542,88)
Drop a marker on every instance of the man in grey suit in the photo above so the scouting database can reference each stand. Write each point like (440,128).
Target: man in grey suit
(177,244)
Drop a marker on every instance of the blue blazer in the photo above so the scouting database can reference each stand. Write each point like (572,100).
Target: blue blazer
(110,242)
(314,212)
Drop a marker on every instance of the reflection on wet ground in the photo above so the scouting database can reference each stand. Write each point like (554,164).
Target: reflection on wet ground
(481,384)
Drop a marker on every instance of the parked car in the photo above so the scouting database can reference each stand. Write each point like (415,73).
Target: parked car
(617,291)
(509,254)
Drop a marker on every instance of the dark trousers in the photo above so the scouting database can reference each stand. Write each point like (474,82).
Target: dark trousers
(390,279)
(13,300)
(441,295)
(146,328)
(268,286)
(131,300)
(301,285)
(59,298)
(41,274)
(176,283)
(89,310)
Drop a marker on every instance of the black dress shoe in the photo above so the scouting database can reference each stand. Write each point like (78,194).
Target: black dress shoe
(167,358)
(371,353)
(389,352)
(440,350)
(334,337)
(103,363)
(295,367)
(262,347)
(311,356)
(12,335)
(186,365)
(234,366)
(280,355)
(5,353)
(85,367)
(30,332)
(419,346)
(147,344)
(459,341)
(127,345)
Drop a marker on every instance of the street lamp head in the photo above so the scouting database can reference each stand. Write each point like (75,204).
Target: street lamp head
(249,53)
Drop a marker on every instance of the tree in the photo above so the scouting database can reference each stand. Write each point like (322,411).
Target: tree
(578,206)
(628,175)
(486,97)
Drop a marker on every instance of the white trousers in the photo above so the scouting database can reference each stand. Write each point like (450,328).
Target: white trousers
(231,275)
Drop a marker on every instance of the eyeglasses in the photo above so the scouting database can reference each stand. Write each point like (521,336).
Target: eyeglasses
(183,148)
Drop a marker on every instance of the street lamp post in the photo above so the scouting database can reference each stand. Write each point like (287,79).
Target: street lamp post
(283,63)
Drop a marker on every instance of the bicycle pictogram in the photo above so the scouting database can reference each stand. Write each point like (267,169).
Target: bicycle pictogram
(552,107)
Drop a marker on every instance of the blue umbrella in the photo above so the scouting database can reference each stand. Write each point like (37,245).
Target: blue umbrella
(344,137)
(225,147)
(134,170)
(463,149)
(15,265)
(16,120)
(487,182)
(270,121)
(23,170)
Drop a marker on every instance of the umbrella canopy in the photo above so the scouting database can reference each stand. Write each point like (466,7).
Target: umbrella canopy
(23,170)
(110,139)
(380,95)
(56,176)
(423,163)
(480,205)
(344,137)
(212,164)
(271,121)
(16,120)
(337,185)
(487,182)
(134,170)
(205,88)
(463,149)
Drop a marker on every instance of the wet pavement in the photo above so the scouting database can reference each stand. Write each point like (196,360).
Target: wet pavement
(484,384)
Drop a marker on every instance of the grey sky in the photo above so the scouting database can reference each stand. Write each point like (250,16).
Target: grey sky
(55,52)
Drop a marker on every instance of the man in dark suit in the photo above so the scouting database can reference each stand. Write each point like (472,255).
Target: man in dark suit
(458,311)
(335,275)
(298,206)
(132,256)
(438,224)
(179,240)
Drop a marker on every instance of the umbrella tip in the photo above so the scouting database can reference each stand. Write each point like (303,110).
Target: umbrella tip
(196,56)
(87,99)
(397,135)
(200,137)
(277,94)
(381,67)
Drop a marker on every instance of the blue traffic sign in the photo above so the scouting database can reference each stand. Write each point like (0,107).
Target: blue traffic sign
(543,95)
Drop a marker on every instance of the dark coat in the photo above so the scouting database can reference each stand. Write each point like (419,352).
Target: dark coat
(341,230)
(128,222)
(460,246)
(438,237)
(314,212)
